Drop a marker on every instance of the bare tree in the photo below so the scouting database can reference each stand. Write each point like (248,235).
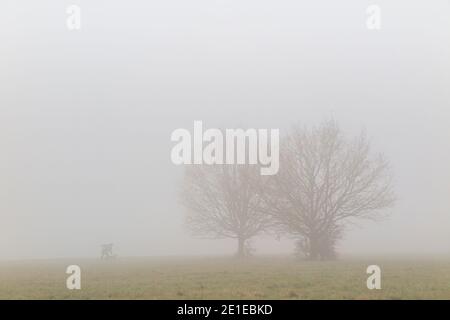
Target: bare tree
(222,203)
(325,180)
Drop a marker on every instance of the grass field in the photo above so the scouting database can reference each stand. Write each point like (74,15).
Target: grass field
(225,278)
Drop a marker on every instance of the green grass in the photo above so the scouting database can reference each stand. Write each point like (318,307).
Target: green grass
(274,277)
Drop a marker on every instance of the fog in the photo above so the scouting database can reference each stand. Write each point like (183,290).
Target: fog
(86,115)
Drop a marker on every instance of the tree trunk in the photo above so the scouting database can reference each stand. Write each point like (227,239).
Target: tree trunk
(314,249)
(241,248)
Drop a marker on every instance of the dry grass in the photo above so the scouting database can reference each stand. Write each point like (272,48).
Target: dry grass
(225,278)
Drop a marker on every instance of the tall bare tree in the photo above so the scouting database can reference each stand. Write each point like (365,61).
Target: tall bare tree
(325,181)
(222,203)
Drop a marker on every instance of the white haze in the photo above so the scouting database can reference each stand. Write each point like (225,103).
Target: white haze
(86,116)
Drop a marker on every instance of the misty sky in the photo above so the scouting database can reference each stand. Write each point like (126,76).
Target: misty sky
(86,116)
